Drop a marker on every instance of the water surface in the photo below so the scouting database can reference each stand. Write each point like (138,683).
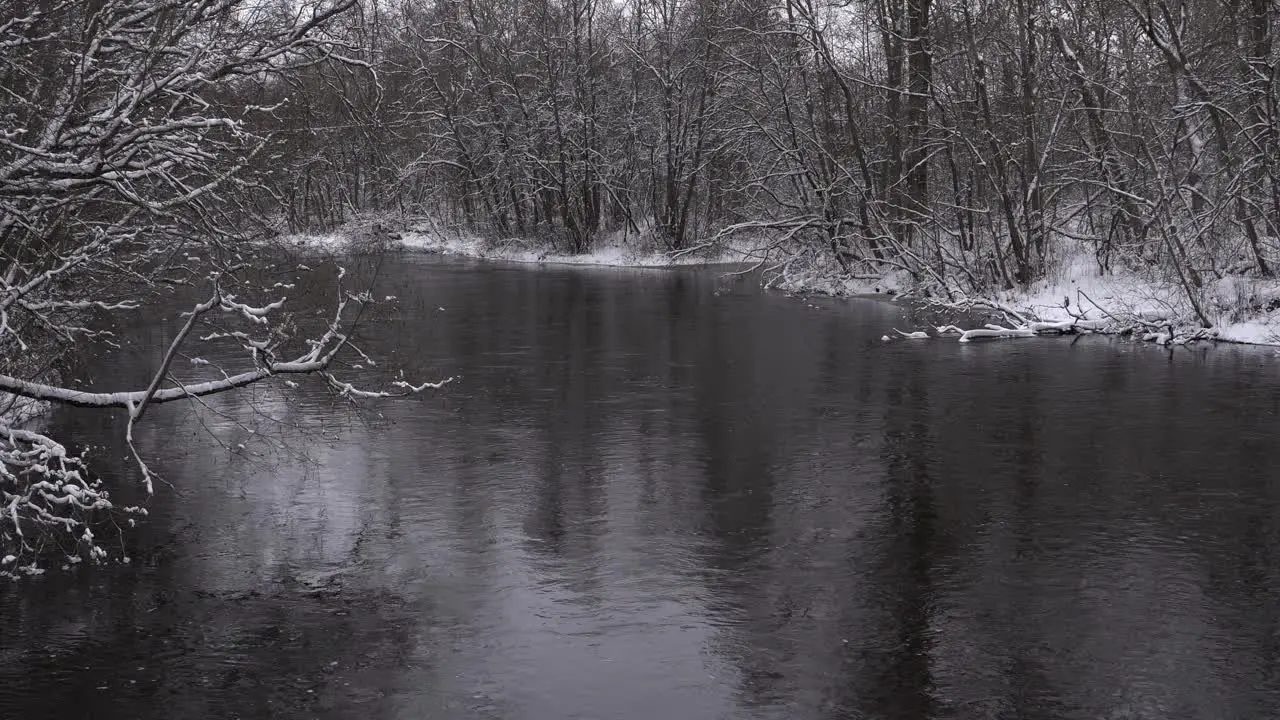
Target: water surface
(669,495)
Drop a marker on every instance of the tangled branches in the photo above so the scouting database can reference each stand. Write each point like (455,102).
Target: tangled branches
(123,150)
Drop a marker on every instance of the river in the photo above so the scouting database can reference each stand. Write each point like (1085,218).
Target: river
(668,494)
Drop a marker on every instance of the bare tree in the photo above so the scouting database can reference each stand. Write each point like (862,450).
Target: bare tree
(122,154)
(970,146)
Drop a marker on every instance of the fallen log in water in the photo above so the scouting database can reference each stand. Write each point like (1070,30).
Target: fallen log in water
(996,331)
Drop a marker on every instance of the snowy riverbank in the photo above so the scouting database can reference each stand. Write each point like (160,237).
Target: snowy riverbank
(617,250)
(1076,296)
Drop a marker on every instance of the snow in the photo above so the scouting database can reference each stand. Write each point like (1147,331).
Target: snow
(1075,295)
(996,331)
(1252,332)
(1235,305)
(614,250)
(828,280)
(20,410)
(1078,288)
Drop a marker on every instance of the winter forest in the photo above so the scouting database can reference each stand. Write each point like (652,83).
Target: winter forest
(538,359)
(968,148)
(971,145)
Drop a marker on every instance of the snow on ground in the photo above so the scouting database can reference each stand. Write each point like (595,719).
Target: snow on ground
(615,250)
(607,253)
(1242,309)
(817,273)
(818,281)
(1077,288)
(1238,307)
(1252,332)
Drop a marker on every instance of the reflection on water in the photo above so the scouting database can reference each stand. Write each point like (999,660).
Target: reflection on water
(669,495)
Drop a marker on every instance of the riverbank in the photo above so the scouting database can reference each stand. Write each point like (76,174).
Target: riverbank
(1074,296)
(617,250)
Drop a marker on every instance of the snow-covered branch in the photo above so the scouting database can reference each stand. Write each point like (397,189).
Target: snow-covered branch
(125,142)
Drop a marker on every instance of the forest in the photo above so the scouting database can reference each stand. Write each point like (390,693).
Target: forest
(971,145)
(269,450)
(968,148)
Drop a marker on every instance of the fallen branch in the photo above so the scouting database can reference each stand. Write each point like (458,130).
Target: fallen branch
(996,331)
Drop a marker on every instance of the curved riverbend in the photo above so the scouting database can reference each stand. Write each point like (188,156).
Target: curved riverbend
(668,494)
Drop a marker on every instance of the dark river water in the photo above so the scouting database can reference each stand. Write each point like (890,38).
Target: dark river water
(661,494)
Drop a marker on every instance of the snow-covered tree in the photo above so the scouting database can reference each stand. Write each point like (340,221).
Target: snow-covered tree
(123,143)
